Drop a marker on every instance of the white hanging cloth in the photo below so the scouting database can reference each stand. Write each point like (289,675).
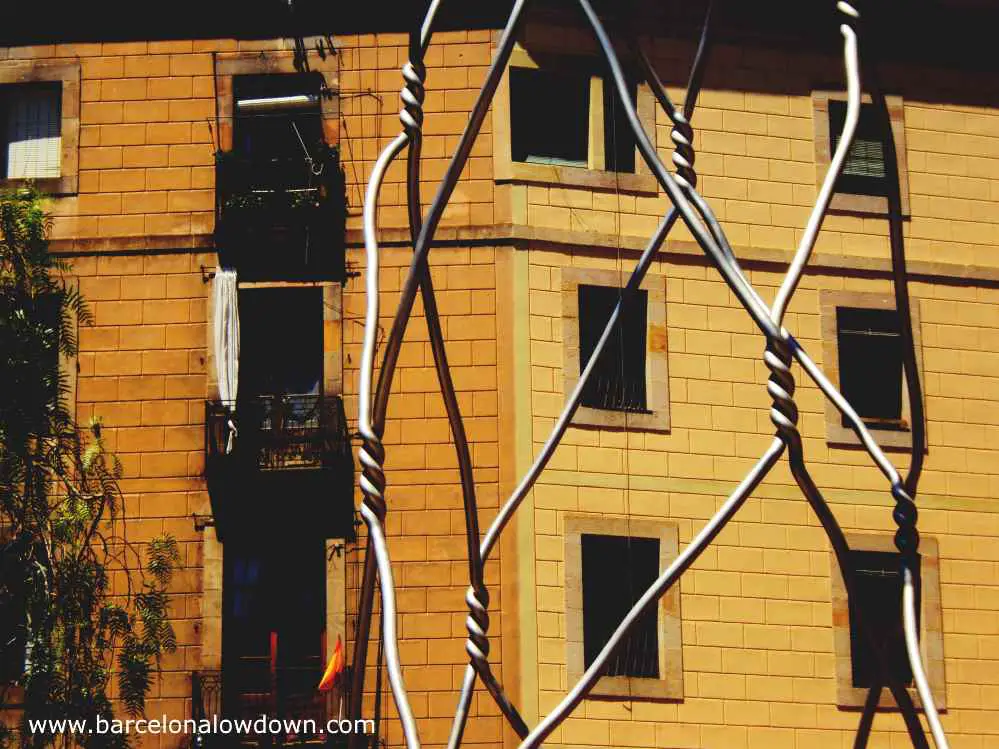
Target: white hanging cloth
(225,306)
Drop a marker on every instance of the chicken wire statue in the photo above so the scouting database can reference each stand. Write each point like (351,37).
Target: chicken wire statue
(781,349)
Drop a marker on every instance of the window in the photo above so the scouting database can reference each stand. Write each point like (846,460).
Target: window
(864,169)
(862,348)
(32,146)
(617,570)
(863,184)
(558,120)
(550,115)
(550,112)
(243,76)
(274,619)
(40,124)
(870,364)
(610,563)
(629,385)
(618,380)
(878,599)
(267,133)
(619,139)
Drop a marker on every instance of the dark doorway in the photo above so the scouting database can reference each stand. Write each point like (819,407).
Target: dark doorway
(273,627)
(281,341)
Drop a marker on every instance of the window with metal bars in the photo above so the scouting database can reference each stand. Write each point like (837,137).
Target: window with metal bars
(617,570)
(618,379)
(870,364)
(877,597)
(864,170)
(30,130)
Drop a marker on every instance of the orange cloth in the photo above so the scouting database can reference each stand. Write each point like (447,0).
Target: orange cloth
(334,669)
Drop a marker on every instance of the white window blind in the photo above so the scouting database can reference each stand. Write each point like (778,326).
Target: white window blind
(34,144)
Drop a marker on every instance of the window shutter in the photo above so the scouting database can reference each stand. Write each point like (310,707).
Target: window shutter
(866,158)
(864,169)
(34,145)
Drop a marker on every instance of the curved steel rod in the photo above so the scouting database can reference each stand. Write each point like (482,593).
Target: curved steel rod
(477,622)
(867,716)
(841,550)
(913,385)
(797,268)
(390,638)
(911,625)
(635,280)
(366,597)
(781,348)
(371,454)
(821,207)
(727,266)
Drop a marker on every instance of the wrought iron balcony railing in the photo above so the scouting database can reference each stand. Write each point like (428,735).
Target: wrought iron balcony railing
(280,462)
(281,218)
(278,432)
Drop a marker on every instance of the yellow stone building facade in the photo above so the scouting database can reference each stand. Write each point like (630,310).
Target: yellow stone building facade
(754,645)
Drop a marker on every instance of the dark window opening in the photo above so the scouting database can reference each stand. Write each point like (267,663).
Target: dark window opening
(617,382)
(550,120)
(273,626)
(870,365)
(619,139)
(281,342)
(617,570)
(550,117)
(280,400)
(276,140)
(864,169)
(878,599)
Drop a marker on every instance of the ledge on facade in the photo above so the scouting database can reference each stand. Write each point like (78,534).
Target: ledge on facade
(518,234)
(567,176)
(101,245)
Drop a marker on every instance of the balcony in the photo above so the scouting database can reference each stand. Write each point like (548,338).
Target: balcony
(277,461)
(281,218)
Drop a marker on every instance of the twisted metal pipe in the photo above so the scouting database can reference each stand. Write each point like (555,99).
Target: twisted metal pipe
(780,344)
(726,265)
(477,596)
(801,474)
(372,454)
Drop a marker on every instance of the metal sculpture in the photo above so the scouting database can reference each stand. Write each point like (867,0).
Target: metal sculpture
(780,351)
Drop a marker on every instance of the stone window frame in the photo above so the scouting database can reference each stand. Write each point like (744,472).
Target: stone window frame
(829,300)
(641,181)
(656,353)
(848,202)
(930,626)
(669,685)
(67,74)
(230,64)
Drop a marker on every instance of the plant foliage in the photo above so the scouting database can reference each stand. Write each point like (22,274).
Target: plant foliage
(70,639)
